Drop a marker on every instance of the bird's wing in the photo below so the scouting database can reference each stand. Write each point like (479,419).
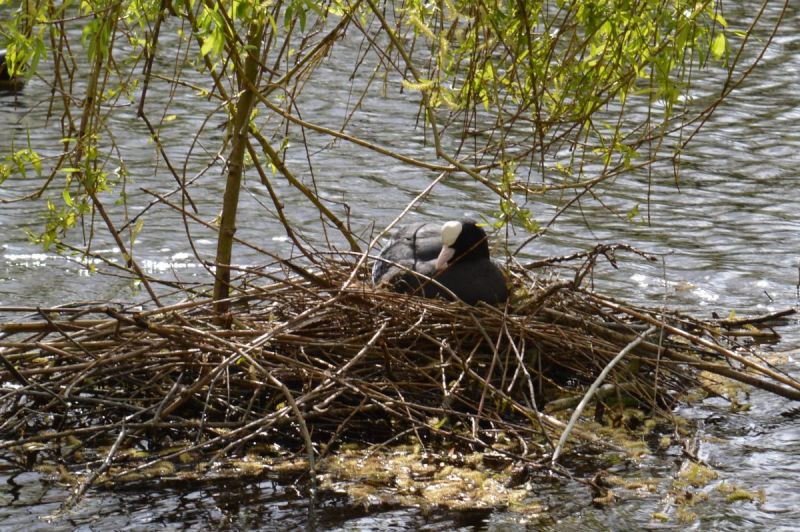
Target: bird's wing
(412,247)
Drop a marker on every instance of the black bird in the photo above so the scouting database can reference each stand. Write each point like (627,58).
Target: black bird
(7,83)
(455,255)
(4,76)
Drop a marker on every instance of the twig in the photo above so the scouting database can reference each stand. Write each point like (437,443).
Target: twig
(593,388)
(758,319)
(73,499)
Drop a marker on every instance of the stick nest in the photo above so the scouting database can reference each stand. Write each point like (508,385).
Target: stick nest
(307,368)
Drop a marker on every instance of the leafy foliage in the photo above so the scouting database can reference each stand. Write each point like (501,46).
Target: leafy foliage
(526,98)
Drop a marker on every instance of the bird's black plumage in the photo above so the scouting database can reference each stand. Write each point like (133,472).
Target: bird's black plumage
(4,74)
(7,83)
(3,69)
(456,256)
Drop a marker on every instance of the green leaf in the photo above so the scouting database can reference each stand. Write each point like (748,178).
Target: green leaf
(424,84)
(633,213)
(209,44)
(718,46)
(67,198)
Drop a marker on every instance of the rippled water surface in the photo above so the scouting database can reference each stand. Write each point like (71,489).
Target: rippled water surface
(730,232)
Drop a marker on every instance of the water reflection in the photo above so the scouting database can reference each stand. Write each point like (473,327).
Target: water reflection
(253,505)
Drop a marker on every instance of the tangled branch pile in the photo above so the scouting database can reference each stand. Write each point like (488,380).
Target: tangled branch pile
(309,368)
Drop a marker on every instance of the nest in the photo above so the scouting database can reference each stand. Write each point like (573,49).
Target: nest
(305,367)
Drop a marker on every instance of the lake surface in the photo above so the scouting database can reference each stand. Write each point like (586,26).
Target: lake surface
(730,238)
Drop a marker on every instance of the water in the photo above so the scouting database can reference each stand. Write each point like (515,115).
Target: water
(730,235)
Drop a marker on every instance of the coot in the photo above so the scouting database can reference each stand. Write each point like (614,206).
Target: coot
(455,255)
(4,76)
(7,83)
